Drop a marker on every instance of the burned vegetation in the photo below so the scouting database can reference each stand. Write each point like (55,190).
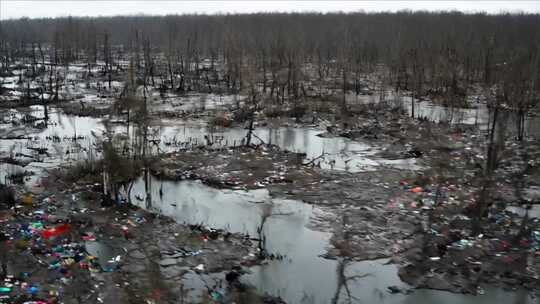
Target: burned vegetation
(270,158)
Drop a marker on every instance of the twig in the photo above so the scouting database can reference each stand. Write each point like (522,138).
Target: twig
(316,158)
(255,135)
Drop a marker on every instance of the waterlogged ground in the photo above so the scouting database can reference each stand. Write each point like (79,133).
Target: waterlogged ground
(477,115)
(66,139)
(73,138)
(303,276)
(300,232)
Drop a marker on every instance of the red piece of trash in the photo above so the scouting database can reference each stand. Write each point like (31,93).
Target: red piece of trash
(54,232)
(88,238)
(504,246)
(416,189)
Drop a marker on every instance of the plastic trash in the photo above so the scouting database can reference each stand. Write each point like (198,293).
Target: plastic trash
(54,232)
(416,190)
(504,246)
(58,249)
(200,267)
(28,199)
(32,290)
(536,236)
(462,244)
(37,225)
(216,296)
(68,262)
(480,290)
(54,265)
(115,259)
(73,201)
(88,236)
(126,232)
(5,289)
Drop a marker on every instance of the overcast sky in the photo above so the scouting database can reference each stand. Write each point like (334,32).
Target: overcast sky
(42,8)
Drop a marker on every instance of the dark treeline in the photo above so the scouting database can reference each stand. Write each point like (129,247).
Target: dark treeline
(381,35)
(439,54)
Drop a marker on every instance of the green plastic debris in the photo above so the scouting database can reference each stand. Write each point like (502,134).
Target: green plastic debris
(216,296)
(37,225)
(5,290)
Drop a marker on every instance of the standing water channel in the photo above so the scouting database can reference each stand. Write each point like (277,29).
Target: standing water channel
(302,276)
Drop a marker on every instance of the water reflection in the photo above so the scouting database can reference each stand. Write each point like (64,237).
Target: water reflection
(339,153)
(478,115)
(303,276)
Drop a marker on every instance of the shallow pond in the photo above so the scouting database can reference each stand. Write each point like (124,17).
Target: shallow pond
(334,153)
(478,115)
(57,139)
